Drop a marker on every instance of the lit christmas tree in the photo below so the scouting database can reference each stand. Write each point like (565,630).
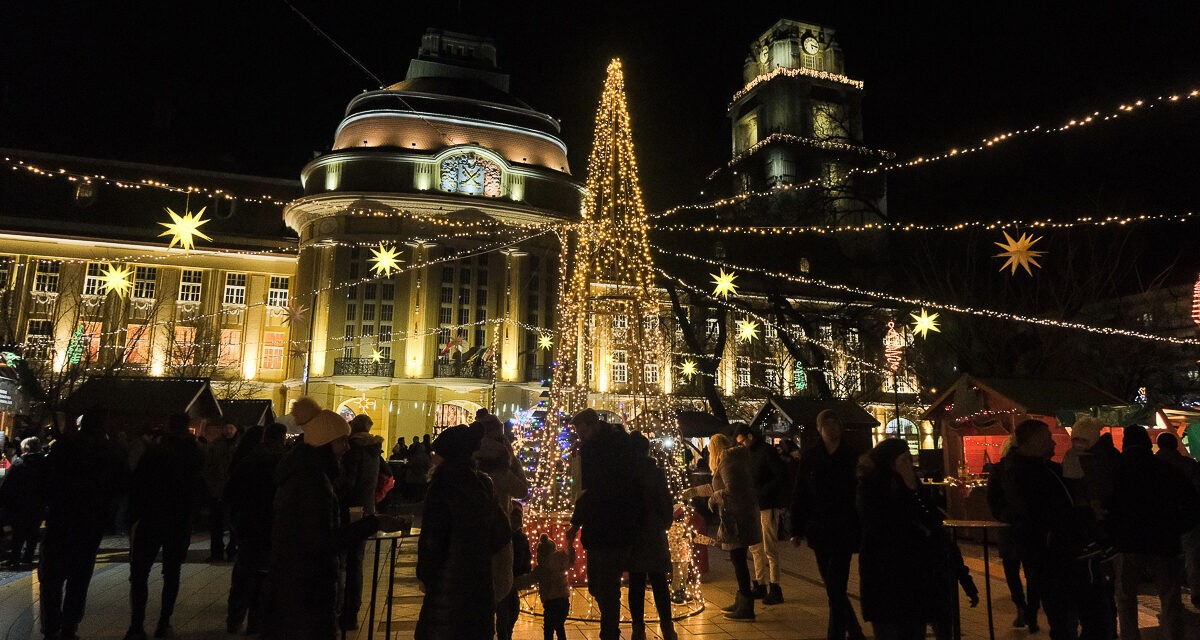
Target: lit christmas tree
(611,352)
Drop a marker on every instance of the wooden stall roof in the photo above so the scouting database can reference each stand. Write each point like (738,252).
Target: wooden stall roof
(148,396)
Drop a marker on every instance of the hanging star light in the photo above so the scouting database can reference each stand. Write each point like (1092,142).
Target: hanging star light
(116,279)
(747,330)
(688,368)
(1019,252)
(376,356)
(545,341)
(925,323)
(184,229)
(295,313)
(725,285)
(386,260)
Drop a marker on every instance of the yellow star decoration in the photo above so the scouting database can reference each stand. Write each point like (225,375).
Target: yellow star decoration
(117,279)
(925,323)
(184,229)
(725,285)
(386,260)
(545,341)
(747,330)
(376,355)
(1019,252)
(688,368)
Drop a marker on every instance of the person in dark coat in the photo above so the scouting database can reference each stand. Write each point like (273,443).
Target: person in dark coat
(902,546)
(1024,596)
(399,450)
(218,456)
(356,490)
(461,527)
(1168,452)
(167,487)
(308,539)
(650,556)
(86,472)
(23,501)
(250,495)
(771,484)
(606,465)
(1153,506)
(735,501)
(509,607)
(1050,535)
(823,513)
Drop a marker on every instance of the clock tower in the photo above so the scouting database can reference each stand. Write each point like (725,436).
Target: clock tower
(798,121)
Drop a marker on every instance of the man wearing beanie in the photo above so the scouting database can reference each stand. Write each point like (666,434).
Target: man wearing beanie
(307,537)
(461,527)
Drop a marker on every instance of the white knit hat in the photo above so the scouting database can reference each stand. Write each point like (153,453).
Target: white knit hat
(325,427)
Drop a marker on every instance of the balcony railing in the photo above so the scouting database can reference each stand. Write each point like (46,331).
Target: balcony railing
(476,369)
(364,367)
(538,372)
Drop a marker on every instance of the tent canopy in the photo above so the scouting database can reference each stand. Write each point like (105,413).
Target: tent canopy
(800,413)
(141,403)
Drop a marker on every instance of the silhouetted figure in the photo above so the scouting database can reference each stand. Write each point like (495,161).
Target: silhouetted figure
(166,489)
(1024,596)
(1168,451)
(250,495)
(550,575)
(509,607)
(23,501)
(356,490)
(650,556)
(399,450)
(218,456)
(85,473)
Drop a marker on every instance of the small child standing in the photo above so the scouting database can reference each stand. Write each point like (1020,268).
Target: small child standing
(551,578)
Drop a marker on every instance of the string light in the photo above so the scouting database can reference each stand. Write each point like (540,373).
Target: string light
(804,141)
(779,72)
(893,347)
(918,302)
(1196,301)
(967,225)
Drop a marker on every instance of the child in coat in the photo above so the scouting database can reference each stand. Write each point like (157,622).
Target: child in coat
(551,577)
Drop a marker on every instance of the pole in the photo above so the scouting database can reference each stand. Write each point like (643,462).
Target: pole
(896,400)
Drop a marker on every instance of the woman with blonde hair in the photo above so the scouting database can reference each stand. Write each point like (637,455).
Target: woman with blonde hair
(733,499)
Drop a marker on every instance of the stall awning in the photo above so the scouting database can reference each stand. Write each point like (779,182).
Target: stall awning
(799,413)
(247,413)
(698,424)
(146,396)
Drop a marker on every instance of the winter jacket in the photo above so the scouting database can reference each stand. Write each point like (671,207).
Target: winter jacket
(1181,463)
(218,455)
(550,576)
(823,501)
(608,479)
(901,552)
(1153,504)
(23,490)
(306,537)
(360,473)
(651,552)
(734,501)
(461,528)
(495,457)
(770,476)
(86,472)
(1046,528)
(251,494)
(167,484)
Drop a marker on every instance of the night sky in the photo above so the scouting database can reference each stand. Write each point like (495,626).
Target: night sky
(248,87)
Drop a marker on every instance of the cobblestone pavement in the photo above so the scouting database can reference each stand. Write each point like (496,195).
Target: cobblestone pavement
(201,608)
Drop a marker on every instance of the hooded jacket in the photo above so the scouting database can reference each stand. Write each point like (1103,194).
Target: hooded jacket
(360,472)
(167,484)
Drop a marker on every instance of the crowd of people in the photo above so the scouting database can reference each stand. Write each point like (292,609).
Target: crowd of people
(1085,533)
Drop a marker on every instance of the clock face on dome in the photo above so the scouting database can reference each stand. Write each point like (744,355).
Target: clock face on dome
(470,174)
(810,45)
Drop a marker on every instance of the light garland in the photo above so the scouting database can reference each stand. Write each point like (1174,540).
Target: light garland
(918,302)
(1196,301)
(804,141)
(893,347)
(778,72)
(967,225)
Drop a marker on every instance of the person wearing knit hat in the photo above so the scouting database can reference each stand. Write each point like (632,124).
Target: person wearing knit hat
(1084,435)
(307,534)
(462,528)
(550,576)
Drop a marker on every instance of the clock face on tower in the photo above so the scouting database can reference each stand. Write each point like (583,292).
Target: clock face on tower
(810,45)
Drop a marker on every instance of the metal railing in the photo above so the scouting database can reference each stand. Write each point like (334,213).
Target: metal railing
(476,369)
(364,367)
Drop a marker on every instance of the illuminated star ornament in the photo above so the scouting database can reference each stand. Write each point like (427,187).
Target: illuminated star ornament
(295,313)
(1019,253)
(184,229)
(725,285)
(376,355)
(925,323)
(386,260)
(545,341)
(747,330)
(688,368)
(116,279)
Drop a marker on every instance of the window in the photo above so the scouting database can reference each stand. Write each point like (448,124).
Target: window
(368,330)
(533,282)
(230,350)
(386,352)
(272,353)
(852,337)
(480,337)
(482,281)
(385,333)
(388,291)
(277,295)
(650,373)
(445,315)
(481,296)
(368,313)
(464,316)
(46,276)
(620,367)
(464,295)
(137,344)
(770,331)
(93,285)
(385,312)
(348,342)
(40,337)
(235,288)
(743,372)
(370,291)
(464,276)
(352,292)
(447,295)
(183,350)
(771,376)
(587,372)
(351,312)
(480,314)
(144,279)
(620,321)
(189,285)
(711,326)
(5,270)
(447,275)
(825,333)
